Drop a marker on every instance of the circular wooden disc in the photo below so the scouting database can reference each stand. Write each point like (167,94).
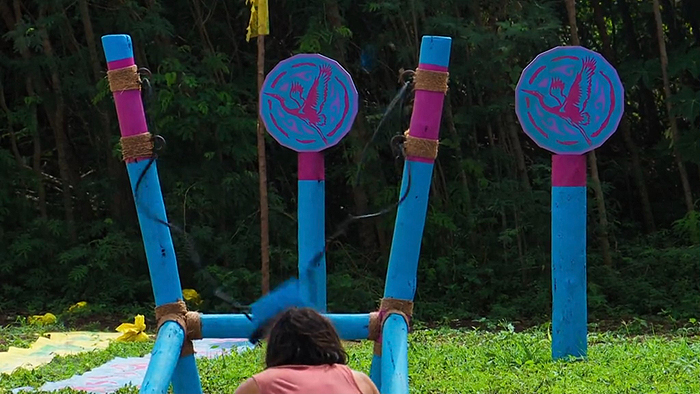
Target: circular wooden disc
(308,102)
(569,100)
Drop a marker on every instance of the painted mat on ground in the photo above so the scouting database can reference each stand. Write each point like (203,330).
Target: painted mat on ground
(53,344)
(121,372)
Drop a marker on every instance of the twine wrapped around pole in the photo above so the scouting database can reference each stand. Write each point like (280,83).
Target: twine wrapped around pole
(122,79)
(434,81)
(388,307)
(137,146)
(420,147)
(189,321)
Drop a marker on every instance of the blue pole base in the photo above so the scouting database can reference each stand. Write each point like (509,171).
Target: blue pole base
(164,358)
(312,228)
(569,309)
(186,377)
(375,371)
(395,356)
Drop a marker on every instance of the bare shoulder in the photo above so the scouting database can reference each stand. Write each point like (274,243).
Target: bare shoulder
(365,383)
(248,387)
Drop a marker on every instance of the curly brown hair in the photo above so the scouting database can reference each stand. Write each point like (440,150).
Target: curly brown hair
(302,336)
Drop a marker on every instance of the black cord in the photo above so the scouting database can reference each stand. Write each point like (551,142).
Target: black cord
(396,144)
(189,243)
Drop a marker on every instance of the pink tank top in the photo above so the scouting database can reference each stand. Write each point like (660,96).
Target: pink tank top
(307,379)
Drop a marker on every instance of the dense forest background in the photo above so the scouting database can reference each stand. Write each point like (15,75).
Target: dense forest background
(68,229)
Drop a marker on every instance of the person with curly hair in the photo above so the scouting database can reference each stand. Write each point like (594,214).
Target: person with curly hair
(305,356)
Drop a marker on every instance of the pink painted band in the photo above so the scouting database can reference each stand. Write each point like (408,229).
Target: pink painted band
(121,63)
(420,159)
(426,122)
(427,114)
(432,67)
(569,170)
(311,166)
(132,119)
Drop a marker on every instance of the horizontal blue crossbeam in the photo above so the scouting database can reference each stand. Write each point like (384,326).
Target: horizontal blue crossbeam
(349,326)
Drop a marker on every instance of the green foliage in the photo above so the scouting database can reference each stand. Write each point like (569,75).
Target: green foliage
(68,227)
(451,361)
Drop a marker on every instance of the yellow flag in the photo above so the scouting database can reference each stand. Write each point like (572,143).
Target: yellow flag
(259,24)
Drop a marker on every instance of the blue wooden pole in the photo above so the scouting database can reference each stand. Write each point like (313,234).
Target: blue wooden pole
(157,239)
(164,359)
(183,381)
(375,370)
(569,309)
(349,326)
(395,356)
(312,221)
(410,217)
(226,326)
(408,232)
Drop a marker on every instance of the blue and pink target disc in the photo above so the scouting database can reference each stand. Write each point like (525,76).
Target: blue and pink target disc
(308,102)
(569,100)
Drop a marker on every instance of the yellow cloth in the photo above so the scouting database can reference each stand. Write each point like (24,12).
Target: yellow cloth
(79,305)
(47,318)
(259,24)
(133,332)
(53,344)
(192,297)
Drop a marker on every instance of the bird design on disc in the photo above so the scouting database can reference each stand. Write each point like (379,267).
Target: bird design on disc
(569,100)
(308,103)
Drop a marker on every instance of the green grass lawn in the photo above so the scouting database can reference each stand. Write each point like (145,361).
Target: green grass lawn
(462,361)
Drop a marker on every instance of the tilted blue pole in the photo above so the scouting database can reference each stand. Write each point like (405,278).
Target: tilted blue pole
(164,359)
(157,239)
(569,309)
(410,217)
(395,355)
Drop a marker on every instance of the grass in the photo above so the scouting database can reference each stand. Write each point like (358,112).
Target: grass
(20,336)
(447,361)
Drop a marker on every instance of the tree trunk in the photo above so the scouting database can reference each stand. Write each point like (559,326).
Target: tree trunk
(262,172)
(367,228)
(691,12)
(56,116)
(602,213)
(11,19)
(204,36)
(36,156)
(119,193)
(592,159)
(647,100)
(10,128)
(637,172)
(449,120)
(675,134)
(638,175)
(518,151)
